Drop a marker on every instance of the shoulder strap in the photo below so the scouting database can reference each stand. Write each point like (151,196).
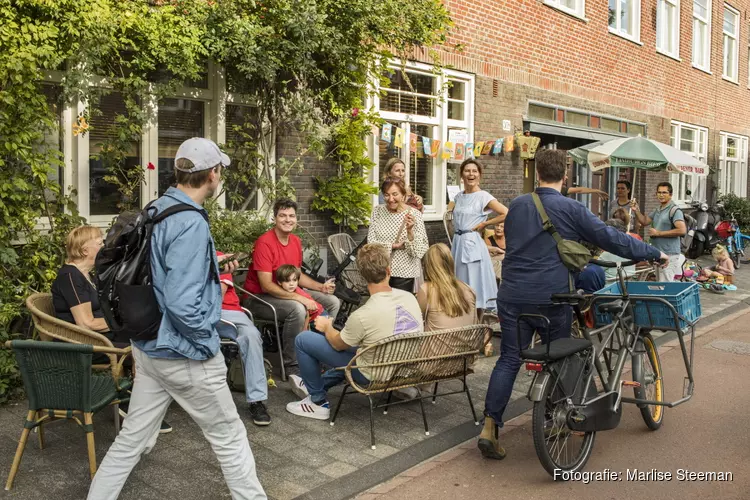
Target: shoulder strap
(546,223)
(174,209)
(673,211)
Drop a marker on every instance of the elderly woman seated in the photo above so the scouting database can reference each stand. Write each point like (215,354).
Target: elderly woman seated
(74,294)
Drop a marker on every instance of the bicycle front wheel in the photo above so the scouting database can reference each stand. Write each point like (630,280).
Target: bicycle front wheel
(558,447)
(652,384)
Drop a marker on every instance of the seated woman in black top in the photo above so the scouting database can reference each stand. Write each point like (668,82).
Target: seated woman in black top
(74,295)
(73,292)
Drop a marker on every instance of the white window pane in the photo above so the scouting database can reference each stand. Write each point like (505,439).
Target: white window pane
(613,4)
(570,4)
(179,120)
(729,21)
(104,197)
(421,166)
(625,16)
(700,8)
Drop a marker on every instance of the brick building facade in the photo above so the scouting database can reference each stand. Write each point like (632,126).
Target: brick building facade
(539,52)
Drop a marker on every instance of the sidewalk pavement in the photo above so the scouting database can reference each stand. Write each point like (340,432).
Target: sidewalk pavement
(702,435)
(296,457)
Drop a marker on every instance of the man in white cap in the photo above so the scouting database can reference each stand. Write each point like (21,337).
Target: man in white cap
(184,363)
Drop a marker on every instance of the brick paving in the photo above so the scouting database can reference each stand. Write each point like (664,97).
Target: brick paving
(294,456)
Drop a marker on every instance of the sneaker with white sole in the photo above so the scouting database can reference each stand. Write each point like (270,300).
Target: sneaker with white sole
(306,408)
(298,386)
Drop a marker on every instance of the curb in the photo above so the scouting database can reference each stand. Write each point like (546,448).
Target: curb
(385,475)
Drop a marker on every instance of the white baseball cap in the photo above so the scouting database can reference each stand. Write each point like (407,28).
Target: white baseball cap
(203,153)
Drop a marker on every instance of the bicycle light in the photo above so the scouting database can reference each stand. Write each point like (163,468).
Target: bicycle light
(534,367)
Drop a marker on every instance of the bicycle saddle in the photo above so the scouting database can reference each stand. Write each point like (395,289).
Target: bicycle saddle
(558,349)
(568,298)
(614,307)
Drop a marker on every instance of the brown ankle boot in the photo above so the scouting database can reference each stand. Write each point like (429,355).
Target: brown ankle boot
(488,442)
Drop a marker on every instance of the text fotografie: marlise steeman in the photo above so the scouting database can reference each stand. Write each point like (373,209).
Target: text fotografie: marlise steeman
(643,475)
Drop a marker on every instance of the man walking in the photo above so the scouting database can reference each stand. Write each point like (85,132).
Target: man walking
(184,363)
(668,226)
(533,271)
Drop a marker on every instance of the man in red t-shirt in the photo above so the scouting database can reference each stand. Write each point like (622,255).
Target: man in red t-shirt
(272,250)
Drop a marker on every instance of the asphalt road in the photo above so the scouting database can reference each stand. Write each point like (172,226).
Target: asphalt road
(709,433)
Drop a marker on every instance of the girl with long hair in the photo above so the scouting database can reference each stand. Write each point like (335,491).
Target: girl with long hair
(445,301)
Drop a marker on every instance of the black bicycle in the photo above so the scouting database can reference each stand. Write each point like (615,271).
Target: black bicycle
(578,386)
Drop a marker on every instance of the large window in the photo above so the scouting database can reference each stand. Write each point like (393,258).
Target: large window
(104,196)
(179,120)
(733,165)
(702,34)
(425,106)
(240,121)
(668,27)
(731,29)
(625,18)
(693,140)
(580,118)
(574,7)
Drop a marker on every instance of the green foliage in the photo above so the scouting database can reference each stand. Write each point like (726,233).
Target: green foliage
(302,64)
(740,207)
(347,196)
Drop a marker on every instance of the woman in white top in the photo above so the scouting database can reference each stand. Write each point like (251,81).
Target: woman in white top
(399,228)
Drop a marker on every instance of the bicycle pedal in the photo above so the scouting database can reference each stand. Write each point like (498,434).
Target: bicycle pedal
(631,383)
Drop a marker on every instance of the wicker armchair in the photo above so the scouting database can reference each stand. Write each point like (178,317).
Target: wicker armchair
(59,384)
(415,360)
(49,328)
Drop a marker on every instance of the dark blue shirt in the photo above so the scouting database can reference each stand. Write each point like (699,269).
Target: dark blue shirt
(532,269)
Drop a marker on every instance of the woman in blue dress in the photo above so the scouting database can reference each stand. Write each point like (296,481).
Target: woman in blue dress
(471,209)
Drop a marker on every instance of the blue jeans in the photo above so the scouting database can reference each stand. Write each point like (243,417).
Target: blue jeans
(313,350)
(251,350)
(506,369)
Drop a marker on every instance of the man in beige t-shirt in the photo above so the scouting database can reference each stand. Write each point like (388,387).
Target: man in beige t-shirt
(388,312)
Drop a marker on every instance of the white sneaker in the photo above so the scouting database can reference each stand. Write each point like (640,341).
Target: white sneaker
(306,408)
(298,386)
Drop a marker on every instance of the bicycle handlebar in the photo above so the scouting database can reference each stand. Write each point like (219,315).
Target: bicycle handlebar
(604,263)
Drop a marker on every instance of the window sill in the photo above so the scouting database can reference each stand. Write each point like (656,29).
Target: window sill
(727,79)
(667,54)
(571,13)
(707,71)
(625,36)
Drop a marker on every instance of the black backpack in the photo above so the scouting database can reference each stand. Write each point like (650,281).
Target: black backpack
(123,272)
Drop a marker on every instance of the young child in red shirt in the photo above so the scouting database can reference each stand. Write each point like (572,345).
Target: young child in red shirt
(287,276)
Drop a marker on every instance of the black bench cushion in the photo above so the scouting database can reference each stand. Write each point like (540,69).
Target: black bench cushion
(558,349)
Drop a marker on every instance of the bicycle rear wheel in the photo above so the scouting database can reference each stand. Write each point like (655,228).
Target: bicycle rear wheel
(557,446)
(652,384)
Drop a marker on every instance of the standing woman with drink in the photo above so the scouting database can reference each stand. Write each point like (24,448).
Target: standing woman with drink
(399,228)
(471,209)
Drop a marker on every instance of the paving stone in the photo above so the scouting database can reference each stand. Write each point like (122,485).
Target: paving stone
(337,469)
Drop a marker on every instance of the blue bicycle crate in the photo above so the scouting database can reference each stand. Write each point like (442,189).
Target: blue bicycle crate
(684,297)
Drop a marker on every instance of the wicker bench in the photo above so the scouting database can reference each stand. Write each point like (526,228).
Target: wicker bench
(415,360)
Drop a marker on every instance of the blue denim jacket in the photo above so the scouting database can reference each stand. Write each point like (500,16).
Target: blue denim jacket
(189,295)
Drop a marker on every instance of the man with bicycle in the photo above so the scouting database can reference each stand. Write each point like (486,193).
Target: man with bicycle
(533,271)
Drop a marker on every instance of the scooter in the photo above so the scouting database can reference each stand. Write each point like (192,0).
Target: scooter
(705,238)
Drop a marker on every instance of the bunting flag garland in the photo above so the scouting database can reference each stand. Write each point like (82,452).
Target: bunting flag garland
(508,144)
(398,137)
(498,147)
(427,146)
(469,150)
(478,149)
(412,142)
(447,151)
(385,135)
(435,149)
(487,148)
(459,152)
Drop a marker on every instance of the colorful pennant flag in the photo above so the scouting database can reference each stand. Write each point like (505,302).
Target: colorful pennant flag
(498,147)
(478,149)
(385,135)
(435,149)
(426,145)
(459,152)
(469,150)
(487,148)
(448,151)
(412,142)
(398,137)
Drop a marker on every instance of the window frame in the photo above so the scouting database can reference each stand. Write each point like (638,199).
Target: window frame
(664,18)
(440,123)
(635,16)
(706,48)
(700,151)
(578,11)
(736,39)
(740,182)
